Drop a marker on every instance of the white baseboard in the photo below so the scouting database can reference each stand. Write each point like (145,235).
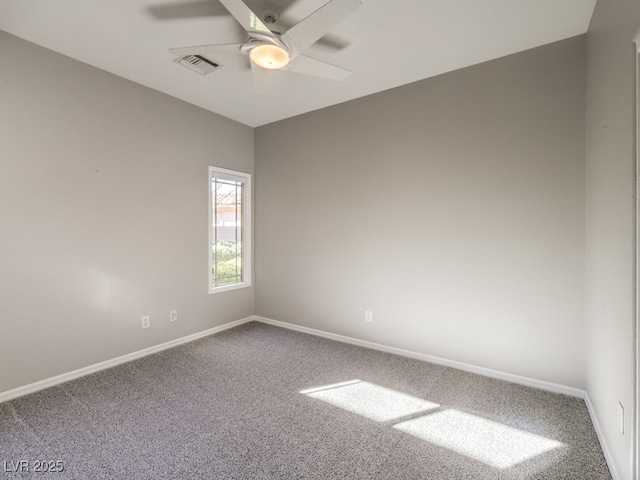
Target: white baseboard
(529,382)
(601,438)
(81,372)
(65,377)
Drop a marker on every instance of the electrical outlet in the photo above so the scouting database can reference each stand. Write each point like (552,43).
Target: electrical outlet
(173,316)
(146,321)
(368,316)
(621,418)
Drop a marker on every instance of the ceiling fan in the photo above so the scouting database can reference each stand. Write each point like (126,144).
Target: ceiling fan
(269,50)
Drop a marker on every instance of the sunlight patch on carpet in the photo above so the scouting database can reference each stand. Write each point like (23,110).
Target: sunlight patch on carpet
(489,442)
(492,443)
(370,400)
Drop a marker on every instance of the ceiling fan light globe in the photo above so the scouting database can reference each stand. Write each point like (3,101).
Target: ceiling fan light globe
(270,57)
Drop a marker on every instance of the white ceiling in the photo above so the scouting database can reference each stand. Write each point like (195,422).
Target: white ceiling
(385,44)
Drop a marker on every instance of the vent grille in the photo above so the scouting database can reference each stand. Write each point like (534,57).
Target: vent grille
(198,63)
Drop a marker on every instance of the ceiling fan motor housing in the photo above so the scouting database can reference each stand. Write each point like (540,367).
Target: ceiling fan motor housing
(269,14)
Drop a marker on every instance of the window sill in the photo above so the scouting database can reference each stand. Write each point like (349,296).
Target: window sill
(227,288)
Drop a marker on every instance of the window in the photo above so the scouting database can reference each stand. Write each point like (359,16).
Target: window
(229,230)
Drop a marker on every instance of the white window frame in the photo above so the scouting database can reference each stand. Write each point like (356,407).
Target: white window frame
(245,179)
(636,411)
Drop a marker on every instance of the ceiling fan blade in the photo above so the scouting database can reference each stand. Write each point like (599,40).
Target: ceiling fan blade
(245,16)
(187,9)
(312,28)
(206,49)
(262,78)
(317,68)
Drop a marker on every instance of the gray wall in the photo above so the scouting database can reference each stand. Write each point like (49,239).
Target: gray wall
(103,207)
(610,220)
(453,208)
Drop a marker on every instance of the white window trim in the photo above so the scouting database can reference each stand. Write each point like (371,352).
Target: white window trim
(247,249)
(636,412)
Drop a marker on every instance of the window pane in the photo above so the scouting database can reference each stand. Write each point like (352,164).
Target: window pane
(227,231)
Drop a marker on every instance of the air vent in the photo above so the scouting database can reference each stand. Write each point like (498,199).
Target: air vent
(198,63)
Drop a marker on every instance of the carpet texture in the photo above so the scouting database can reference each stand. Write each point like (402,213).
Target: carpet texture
(261,402)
